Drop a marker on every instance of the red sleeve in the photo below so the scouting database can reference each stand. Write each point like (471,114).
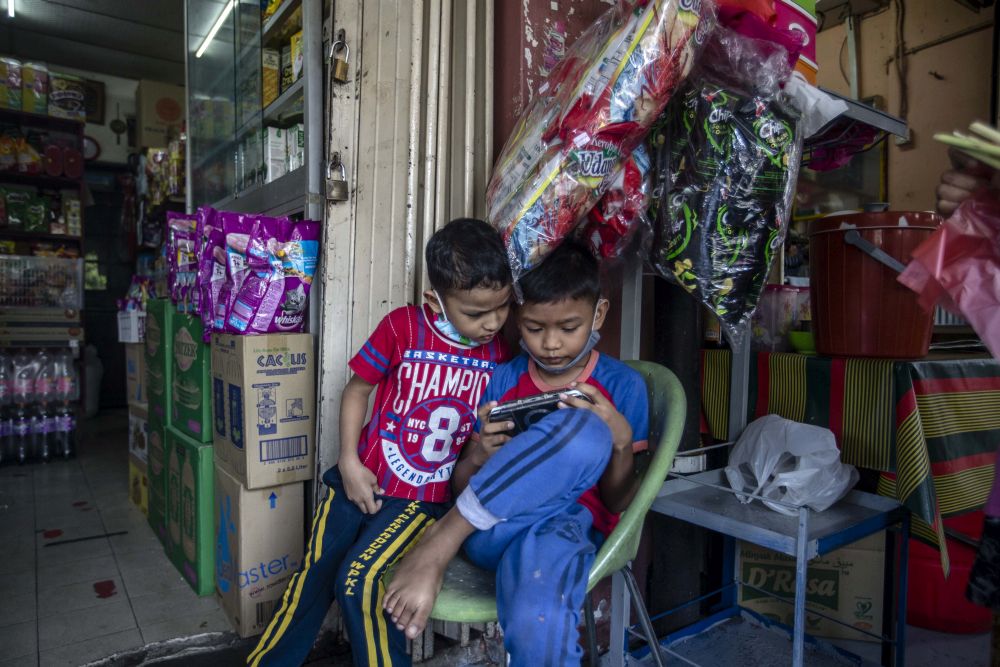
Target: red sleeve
(375,358)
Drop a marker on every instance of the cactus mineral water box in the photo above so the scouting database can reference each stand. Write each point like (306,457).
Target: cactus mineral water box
(258,547)
(190,362)
(159,356)
(156,470)
(190,502)
(263,406)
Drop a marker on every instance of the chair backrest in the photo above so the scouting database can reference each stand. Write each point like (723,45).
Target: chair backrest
(667,410)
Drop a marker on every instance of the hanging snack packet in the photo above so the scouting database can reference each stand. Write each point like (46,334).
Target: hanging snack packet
(282,260)
(182,258)
(236,228)
(620,216)
(730,159)
(594,109)
(211,266)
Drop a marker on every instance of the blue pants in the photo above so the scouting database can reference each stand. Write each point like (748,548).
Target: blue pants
(541,543)
(347,554)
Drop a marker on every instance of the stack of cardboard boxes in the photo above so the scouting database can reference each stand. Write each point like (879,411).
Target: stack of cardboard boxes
(180,448)
(138,426)
(230,442)
(263,398)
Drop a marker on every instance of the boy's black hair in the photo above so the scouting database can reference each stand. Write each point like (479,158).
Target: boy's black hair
(570,272)
(465,254)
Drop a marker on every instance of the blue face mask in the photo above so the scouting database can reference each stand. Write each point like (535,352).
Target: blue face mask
(592,340)
(448,330)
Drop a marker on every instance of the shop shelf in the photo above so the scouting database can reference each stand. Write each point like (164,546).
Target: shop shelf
(278,111)
(20,235)
(23,118)
(279,197)
(271,29)
(40,180)
(41,282)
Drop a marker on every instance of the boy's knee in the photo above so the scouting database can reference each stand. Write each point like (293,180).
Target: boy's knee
(585,433)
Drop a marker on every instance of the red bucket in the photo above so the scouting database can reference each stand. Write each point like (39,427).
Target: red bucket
(858,307)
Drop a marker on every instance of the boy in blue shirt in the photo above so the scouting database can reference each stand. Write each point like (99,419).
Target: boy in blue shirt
(536,506)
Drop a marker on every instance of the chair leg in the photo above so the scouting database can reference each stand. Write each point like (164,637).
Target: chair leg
(644,620)
(588,616)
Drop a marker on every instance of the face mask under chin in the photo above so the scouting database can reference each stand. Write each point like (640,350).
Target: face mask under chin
(447,329)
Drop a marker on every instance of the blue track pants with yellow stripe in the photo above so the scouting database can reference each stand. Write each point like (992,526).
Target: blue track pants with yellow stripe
(536,536)
(348,552)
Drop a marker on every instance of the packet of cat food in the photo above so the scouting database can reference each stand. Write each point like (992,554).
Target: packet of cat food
(274,296)
(591,113)
(236,228)
(35,88)
(10,83)
(182,258)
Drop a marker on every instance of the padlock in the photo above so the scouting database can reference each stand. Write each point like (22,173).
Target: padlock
(336,187)
(340,67)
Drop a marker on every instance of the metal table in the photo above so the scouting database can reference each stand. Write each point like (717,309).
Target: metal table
(706,500)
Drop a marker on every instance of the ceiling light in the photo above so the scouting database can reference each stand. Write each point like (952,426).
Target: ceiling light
(10,8)
(215,28)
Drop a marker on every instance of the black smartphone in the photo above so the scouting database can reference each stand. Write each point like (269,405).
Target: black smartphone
(524,412)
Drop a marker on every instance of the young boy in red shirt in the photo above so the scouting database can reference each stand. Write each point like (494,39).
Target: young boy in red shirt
(428,366)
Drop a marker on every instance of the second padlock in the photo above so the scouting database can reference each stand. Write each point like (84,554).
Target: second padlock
(336,186)
(341,54)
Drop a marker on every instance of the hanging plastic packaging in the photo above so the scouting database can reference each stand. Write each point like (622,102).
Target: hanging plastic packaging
(790,462)
(281,261)
(596,106)
(620,217)
(958,266)
(182,259)
(236,229)
(731,157)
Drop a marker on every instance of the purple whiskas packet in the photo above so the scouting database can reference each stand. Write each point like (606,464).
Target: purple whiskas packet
(274,296)
(182,253)
(236,228)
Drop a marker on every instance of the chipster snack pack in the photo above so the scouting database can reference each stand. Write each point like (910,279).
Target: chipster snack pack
(595,108)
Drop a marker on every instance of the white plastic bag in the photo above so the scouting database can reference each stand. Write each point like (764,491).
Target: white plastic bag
(794,463)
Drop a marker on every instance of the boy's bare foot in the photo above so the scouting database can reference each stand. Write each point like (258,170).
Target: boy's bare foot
(416,581)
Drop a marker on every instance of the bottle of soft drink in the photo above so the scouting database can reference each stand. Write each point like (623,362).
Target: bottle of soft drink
(66,382)
(39,433)
(65,431)
(45,381)
(6,389)
(23,370)
(21,430)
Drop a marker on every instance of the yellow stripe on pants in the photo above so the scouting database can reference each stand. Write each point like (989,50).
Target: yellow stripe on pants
(284,615)
(400,545)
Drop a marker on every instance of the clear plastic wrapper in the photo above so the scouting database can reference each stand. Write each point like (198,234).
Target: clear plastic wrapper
(595,108)
(730,159)
(236,229)
(620,217)
(182,259)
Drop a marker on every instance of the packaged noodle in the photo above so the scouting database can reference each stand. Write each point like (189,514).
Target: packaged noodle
(620,216)
(730,157)
(595,108)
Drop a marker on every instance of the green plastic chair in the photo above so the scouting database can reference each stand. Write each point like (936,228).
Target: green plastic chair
(468,593)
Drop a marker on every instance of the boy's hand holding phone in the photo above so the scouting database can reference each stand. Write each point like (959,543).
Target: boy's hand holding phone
(361,486)
(621,431)
(492,435)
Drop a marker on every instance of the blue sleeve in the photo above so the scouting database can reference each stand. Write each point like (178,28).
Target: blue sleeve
(497,387)
(632,401)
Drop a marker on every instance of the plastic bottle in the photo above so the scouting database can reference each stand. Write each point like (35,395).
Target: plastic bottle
(67,382)
(45,382)
(21,429)
(6,380)
(40,426)
(65,431)
(23,370)
(6,391)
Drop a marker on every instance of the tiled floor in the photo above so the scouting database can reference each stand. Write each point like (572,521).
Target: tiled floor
(82,574)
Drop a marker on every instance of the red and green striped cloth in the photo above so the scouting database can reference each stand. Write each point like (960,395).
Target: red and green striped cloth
(932,428)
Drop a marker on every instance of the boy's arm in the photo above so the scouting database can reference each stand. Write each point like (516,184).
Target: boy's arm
(360,484)
(483,444)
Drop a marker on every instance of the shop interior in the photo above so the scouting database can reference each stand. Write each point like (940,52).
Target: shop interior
(206,207)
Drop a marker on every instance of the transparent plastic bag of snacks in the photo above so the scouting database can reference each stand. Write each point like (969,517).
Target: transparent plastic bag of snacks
(595,107)
(729,159)
(182,258)
(619,223)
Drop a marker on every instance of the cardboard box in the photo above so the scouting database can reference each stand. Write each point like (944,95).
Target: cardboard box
(845,584)
(190,367)
(138,432)
(298,61)
(135,372)
(156,471)
(295,140)
(138,485)
(190,499)
(159,112)
(271,75)
(264,402)
(287,76)
(259,545)
(159,352)
(275,153)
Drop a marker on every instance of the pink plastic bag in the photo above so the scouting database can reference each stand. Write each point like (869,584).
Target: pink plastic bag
(959,268)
